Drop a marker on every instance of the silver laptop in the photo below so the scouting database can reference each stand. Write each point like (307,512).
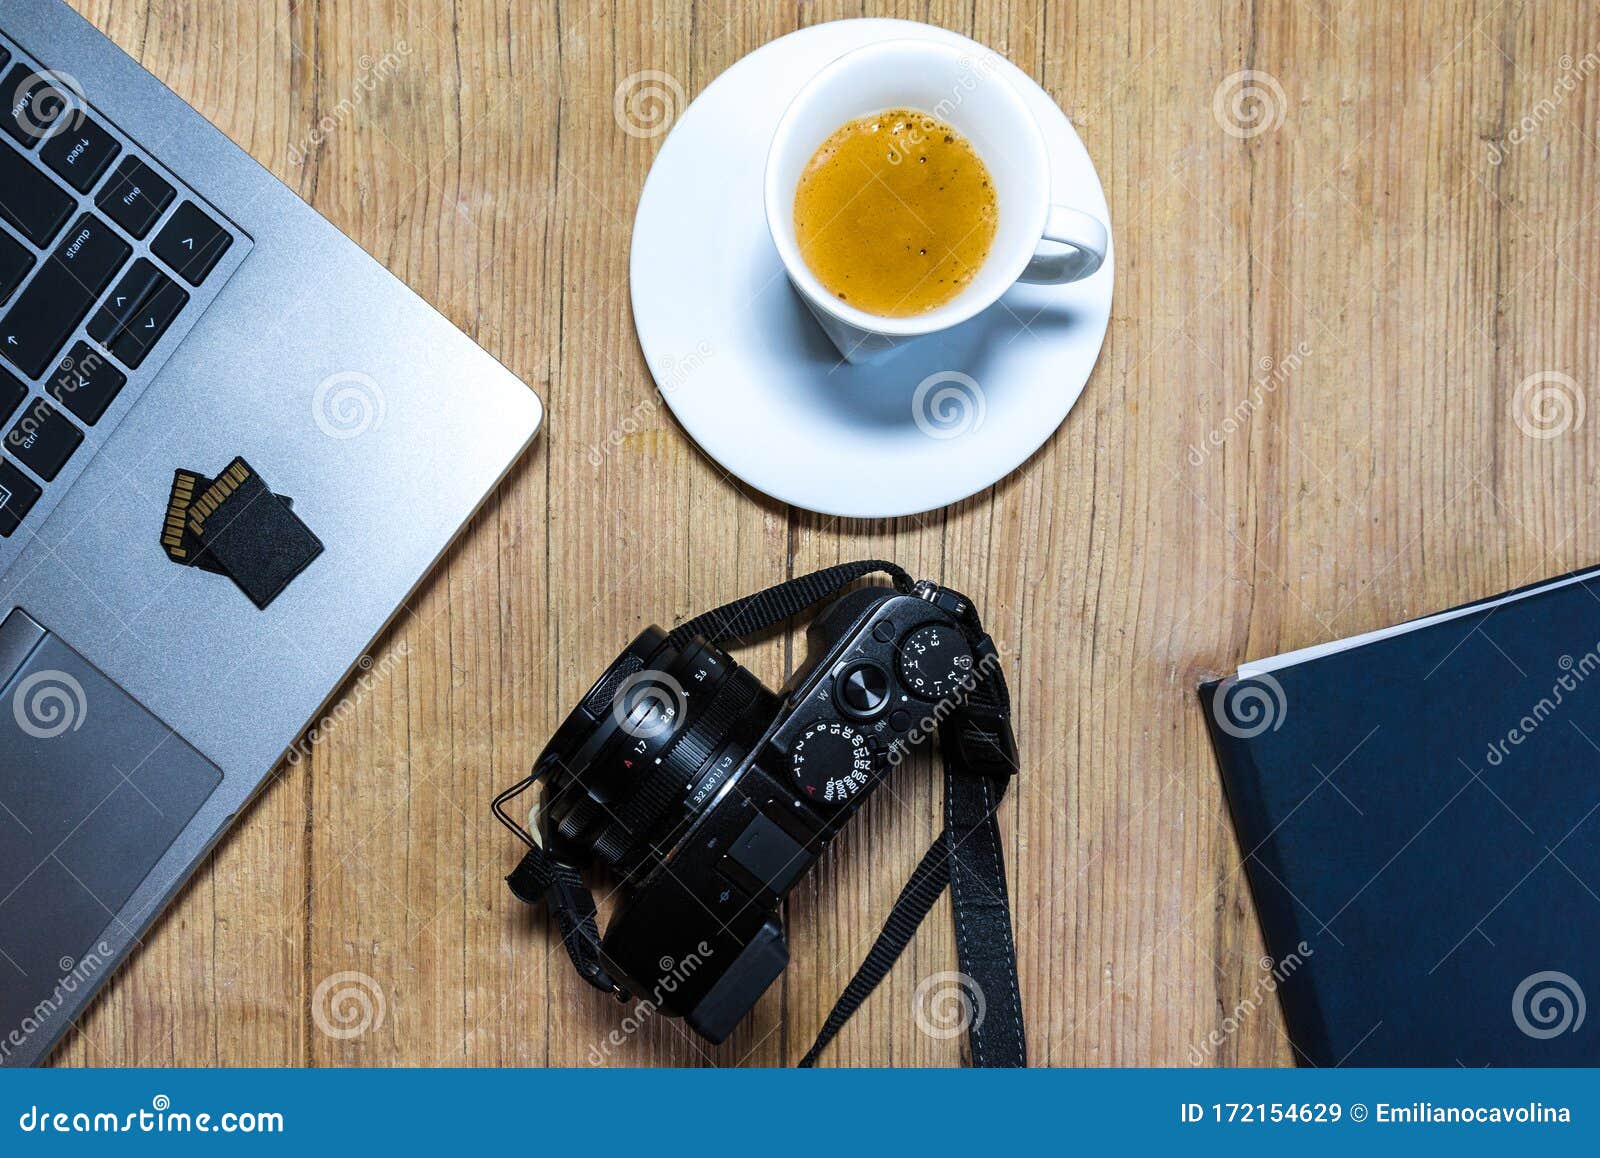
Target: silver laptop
(166,304)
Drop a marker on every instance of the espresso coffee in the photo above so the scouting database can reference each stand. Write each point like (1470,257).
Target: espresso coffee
(895,213)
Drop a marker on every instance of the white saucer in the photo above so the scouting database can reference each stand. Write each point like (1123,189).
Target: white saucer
(753,380)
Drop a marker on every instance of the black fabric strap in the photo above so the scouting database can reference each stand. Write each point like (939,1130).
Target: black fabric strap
(978,898)
(539,877)
(980,757)
(911,908)
(764,609)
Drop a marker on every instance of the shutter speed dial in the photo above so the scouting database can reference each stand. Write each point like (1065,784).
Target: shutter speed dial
(935,662)
(832,762)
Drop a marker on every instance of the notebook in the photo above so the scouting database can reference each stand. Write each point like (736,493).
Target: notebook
(1418,810)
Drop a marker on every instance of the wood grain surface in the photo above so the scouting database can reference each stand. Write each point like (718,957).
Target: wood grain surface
(1338,277)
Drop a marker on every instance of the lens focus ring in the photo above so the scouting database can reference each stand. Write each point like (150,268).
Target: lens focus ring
(705,734)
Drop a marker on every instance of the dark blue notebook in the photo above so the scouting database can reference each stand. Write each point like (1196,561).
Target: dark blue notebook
(1419,814)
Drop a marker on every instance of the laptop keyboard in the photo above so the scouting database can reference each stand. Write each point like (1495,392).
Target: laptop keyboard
(103,254)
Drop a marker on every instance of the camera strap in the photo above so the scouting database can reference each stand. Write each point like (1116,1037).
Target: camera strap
(980,757)
(783,601)
(979,752)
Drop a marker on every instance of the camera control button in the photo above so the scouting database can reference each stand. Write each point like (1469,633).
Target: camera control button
(862,690)
(899,719)
(883,631)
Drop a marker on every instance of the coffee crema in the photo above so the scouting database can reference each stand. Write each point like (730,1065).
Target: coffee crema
(895,213)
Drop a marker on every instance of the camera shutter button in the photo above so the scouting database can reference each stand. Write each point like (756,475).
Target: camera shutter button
(861,690)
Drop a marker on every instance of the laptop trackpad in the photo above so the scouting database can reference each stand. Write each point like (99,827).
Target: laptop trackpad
(93,789)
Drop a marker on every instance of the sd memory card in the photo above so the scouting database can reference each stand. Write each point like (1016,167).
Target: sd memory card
(178,539)
(251,534)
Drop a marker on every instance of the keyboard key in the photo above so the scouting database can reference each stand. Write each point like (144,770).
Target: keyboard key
(191,243)
(18,493)
(36,205)
(148,323)
(70,281)
(43,439)
(12,393)
(86,383)
(135,197)
(31,104)
(80,153)
(123,302)
(15,262)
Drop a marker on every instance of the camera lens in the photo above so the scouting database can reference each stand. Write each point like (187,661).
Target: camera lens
(654,740)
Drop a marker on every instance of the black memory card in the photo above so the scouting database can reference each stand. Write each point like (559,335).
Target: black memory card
(251,534)
(178,539)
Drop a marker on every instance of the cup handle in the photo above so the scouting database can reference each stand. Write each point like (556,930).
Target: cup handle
(1080,247)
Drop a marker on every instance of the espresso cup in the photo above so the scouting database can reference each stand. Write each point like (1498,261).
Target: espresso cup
(1035,240)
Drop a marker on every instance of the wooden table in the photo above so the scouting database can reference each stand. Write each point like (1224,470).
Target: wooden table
(1330,292)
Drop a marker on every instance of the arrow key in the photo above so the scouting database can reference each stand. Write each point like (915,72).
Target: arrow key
(191,243)
(148,323)
(86,383)
(138,284)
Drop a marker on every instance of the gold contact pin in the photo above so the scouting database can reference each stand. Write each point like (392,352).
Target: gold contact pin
(179,503)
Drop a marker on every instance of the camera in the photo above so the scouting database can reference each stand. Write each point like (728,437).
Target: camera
(710,796)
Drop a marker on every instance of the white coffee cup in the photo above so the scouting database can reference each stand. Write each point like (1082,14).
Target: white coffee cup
(969,92)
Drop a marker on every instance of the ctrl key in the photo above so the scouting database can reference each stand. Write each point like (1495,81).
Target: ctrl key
(18,493)
(43,439)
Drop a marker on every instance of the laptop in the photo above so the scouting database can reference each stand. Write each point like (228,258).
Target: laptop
(203,314)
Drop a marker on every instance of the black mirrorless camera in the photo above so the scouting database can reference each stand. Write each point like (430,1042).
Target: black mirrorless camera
(710,796)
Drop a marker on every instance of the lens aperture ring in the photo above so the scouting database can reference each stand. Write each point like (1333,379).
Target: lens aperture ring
(703,735)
